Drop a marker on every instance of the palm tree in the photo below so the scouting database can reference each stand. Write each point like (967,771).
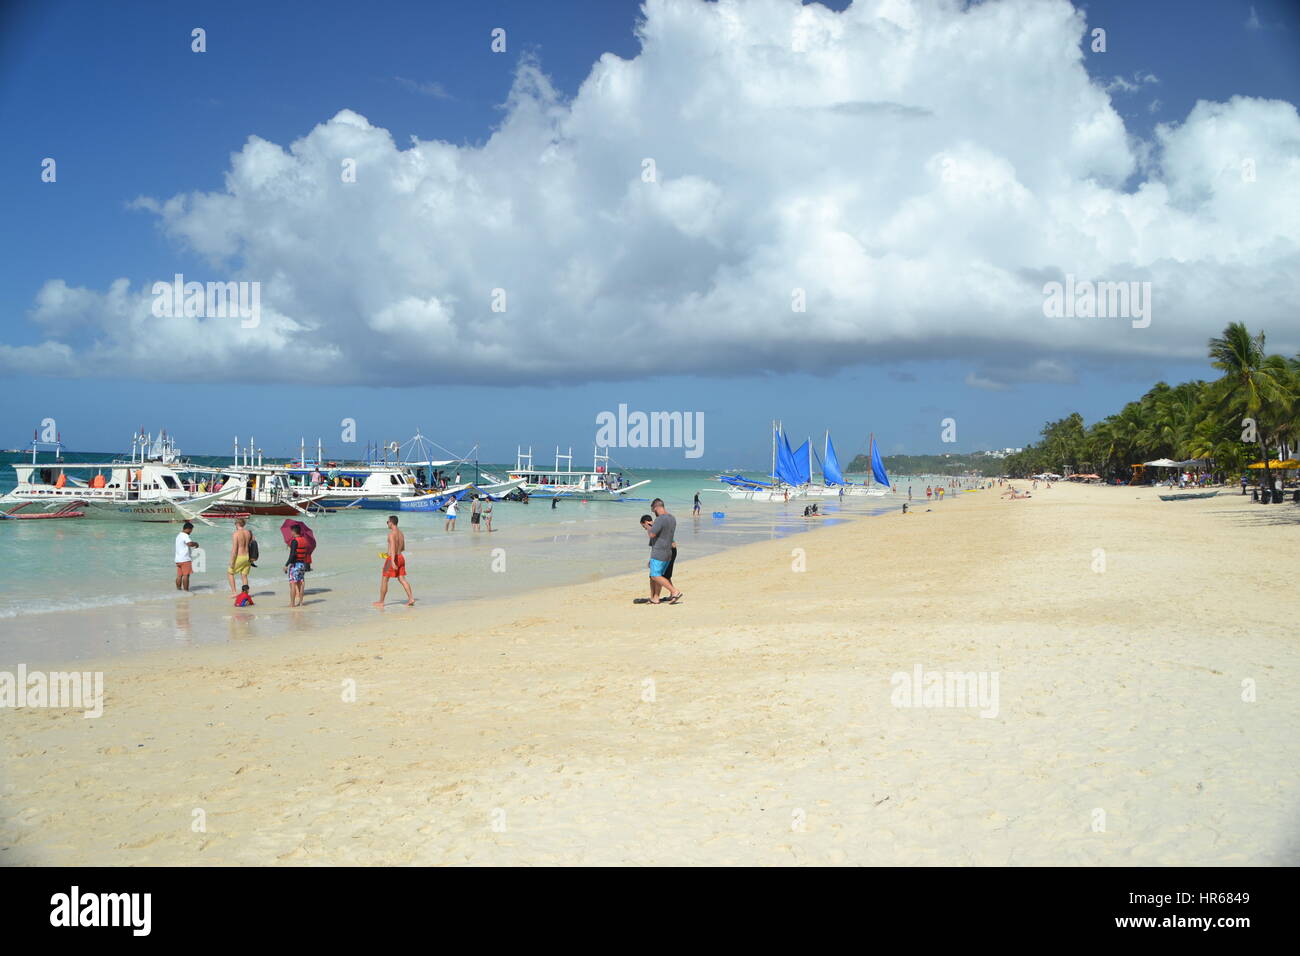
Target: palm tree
(1250,386)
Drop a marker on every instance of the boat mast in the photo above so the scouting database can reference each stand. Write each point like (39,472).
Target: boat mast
(871,458)
(772,473)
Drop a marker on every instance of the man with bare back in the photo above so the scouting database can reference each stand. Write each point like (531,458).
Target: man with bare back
(394,564)
(240,561)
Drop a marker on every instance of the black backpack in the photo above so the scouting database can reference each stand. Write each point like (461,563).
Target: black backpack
(252,550)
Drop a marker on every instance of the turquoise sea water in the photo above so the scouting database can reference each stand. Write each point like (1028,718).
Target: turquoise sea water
(88,588)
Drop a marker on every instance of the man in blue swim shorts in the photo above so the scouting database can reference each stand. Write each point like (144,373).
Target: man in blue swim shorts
(661,533)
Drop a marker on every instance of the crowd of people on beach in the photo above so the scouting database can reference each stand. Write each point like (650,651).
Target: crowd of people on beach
(301,543)
(660,527)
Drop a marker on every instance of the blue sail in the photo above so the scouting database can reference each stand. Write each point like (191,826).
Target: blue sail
(831,466)
(878,466)
(786,469)
(803,461)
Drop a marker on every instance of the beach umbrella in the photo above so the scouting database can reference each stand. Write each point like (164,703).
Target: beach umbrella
(287,532)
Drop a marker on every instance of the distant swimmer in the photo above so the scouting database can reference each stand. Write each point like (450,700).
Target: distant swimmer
(394,564)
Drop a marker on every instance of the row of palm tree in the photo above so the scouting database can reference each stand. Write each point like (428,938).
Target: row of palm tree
(1250,413)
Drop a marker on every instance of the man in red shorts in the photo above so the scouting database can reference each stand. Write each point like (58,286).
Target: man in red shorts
(185,547)
(395,564)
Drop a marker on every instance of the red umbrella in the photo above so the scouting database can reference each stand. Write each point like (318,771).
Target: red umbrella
(288,530)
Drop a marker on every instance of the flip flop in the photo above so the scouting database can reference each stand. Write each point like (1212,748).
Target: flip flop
(677,597)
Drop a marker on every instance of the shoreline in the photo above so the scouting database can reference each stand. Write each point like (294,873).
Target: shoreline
(752,723)
(339,598)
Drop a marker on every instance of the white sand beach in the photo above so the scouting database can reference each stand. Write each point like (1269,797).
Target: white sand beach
(751,724)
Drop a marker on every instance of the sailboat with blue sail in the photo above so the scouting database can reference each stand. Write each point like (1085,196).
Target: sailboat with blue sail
(790,474)
(835,484)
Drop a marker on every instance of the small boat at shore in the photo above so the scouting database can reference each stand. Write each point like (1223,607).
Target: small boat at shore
(1187,496)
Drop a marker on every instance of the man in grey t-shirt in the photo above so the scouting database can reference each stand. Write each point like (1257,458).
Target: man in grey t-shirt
(661,533)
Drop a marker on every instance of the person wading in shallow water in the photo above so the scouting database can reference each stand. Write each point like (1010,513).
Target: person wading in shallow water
(241,562)
(298,564)
(184,556)
(394,564)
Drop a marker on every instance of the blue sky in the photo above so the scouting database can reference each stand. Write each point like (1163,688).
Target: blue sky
(115,94)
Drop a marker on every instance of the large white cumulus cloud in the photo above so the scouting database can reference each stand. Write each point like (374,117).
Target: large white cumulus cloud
(918,168)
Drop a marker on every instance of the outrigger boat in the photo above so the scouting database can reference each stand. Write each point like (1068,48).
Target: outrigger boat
(792,471)
(148,487)
(320,485)
(788,481)
(434,500)
(1185,496)
(599,484)
(835,484)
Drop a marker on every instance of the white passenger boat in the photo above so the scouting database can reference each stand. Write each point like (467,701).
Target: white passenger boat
(601,483)
(147,487)
(315,484)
